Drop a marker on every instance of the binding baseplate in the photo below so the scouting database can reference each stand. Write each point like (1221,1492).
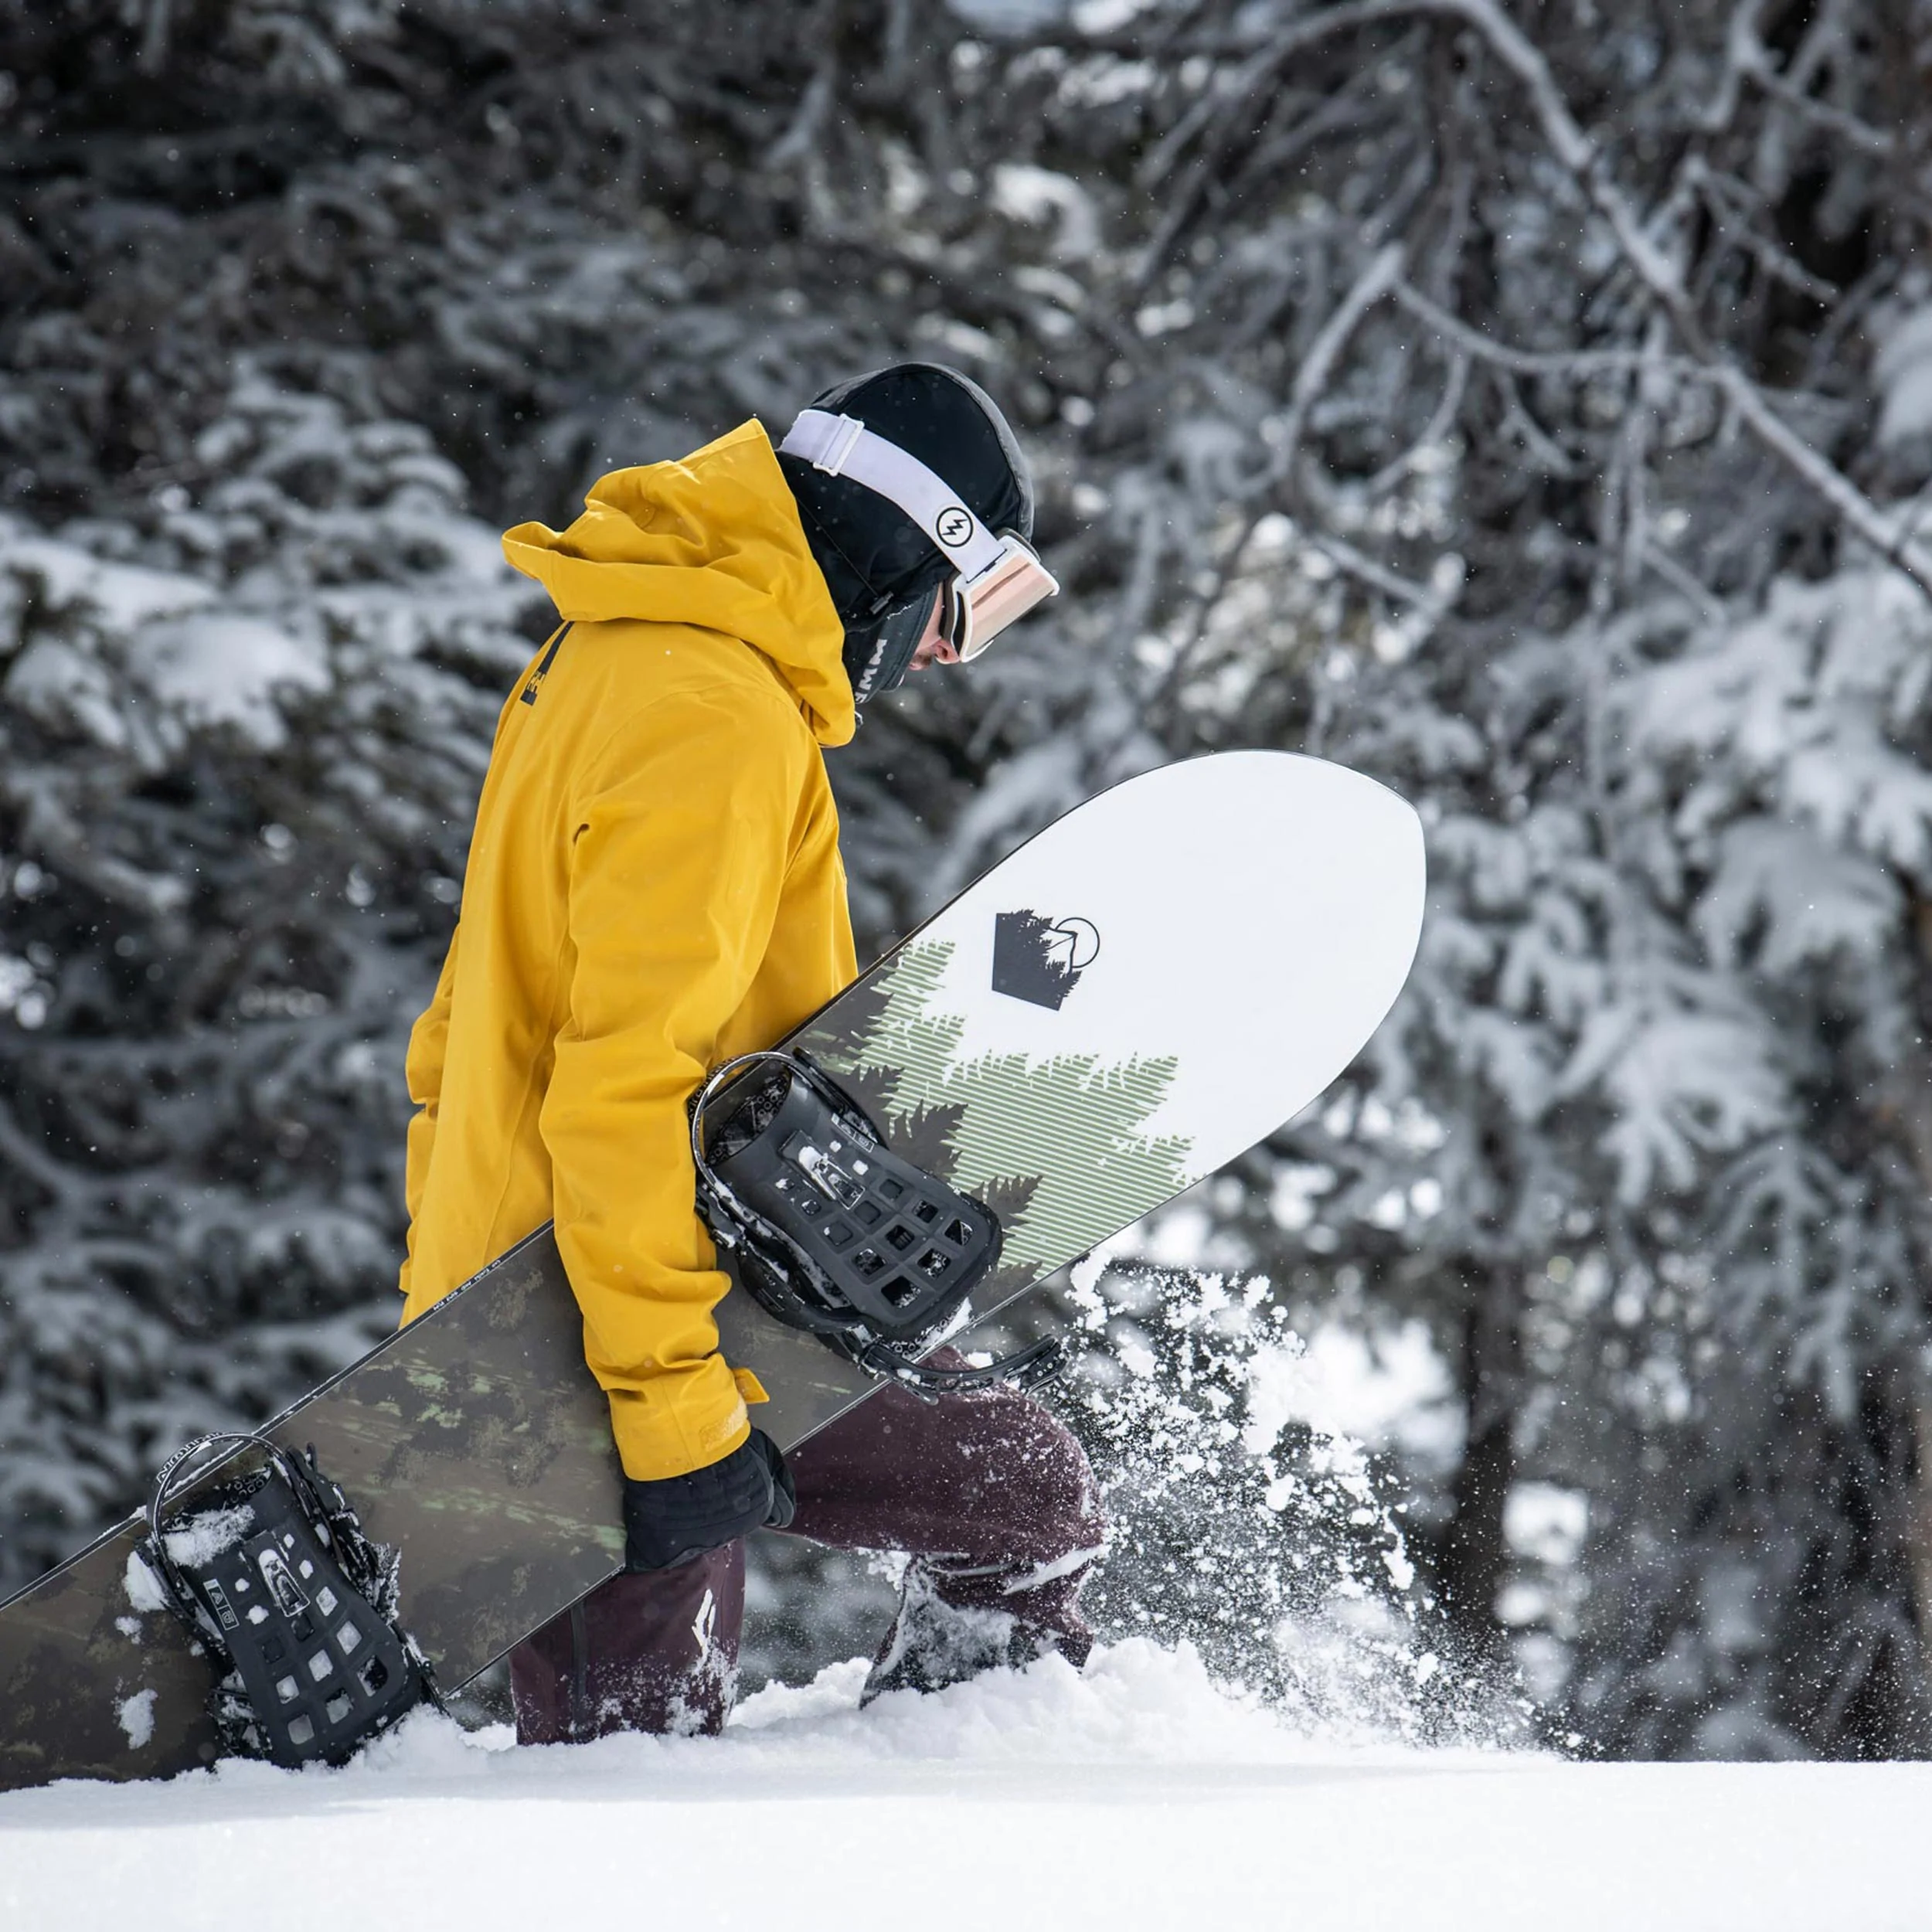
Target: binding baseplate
(836,1234)
(273,1574)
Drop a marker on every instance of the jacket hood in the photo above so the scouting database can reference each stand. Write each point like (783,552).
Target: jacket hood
(715,541)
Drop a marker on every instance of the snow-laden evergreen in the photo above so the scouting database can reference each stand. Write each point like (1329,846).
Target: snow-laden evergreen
(242,739)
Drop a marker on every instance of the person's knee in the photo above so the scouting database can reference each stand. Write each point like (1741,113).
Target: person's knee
(1049,1494)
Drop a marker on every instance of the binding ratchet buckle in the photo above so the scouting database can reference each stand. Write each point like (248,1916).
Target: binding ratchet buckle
(835,1233)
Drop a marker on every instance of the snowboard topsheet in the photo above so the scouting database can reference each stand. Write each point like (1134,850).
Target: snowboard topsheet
(1137,995)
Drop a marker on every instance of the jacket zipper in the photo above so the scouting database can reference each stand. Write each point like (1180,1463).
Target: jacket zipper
(543,670)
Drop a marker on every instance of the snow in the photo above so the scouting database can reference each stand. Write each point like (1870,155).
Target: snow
(136,1716)
(200,1539)
(1037,196)
(1548,1522)
(1391,1390)
(227,667)
(1903,367)
(123,596)
(1009,18)
(1134,1796)
(143,1587)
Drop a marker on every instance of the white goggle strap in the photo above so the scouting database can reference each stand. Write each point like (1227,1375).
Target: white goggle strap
(843,446)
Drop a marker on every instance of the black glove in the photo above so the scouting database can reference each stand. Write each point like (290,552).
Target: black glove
(676,1518)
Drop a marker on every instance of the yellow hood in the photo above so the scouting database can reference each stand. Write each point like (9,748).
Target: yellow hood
(713,540)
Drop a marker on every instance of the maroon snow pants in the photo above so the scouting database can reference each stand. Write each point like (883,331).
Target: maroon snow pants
(986,1492)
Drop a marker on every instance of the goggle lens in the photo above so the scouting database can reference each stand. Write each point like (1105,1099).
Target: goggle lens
(976,612)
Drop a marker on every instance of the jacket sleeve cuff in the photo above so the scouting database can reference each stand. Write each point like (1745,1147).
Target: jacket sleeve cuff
(680,1421)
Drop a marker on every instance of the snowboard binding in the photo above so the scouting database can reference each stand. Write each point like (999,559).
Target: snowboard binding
(273,1574)
(835,1233)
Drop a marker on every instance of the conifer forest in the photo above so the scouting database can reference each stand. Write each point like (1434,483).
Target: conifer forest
(1527,403)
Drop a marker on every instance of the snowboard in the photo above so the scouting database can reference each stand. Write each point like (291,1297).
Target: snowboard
(1142,992)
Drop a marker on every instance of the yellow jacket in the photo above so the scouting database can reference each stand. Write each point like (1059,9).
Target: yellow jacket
(653,884)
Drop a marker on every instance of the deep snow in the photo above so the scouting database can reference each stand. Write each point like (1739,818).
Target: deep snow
(1137,1796)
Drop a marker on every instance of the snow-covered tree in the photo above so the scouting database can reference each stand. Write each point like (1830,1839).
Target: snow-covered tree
(242,735)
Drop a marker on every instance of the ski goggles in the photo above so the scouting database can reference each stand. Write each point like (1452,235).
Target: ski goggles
(997,578)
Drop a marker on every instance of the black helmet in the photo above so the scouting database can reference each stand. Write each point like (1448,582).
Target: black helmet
(881,568)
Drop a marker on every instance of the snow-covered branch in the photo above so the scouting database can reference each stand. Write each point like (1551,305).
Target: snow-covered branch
(1583,158)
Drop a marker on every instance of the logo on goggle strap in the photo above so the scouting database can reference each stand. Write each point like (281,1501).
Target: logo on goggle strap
(954,526)
(1040,959)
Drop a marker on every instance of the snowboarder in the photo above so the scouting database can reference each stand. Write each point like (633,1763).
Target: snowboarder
(654,886)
